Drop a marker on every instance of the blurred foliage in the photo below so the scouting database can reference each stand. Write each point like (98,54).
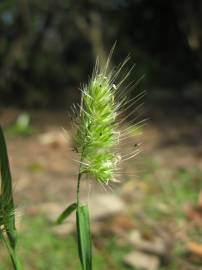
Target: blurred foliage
(21,126)
(48,47)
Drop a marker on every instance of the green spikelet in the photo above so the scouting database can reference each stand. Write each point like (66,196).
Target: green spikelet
(97,134)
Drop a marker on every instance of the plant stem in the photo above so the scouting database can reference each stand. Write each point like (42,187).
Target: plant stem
(78,189)
(79,181)
(13,256)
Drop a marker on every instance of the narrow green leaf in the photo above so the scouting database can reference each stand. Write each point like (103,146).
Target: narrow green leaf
(7,203)
(66,213)
(84,237)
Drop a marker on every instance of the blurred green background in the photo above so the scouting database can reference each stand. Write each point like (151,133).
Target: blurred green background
(47,51)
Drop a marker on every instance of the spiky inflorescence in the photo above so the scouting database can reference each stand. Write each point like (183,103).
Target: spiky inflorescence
(98,129)
(97,134)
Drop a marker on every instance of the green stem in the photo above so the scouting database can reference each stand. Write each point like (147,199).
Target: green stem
(13,256)
(79,181)
(78,189)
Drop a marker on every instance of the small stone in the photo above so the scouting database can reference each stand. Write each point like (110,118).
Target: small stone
(142,261)
(104,205)
(154,246)
(54,138)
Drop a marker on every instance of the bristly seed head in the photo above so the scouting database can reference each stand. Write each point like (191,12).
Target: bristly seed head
(97,134)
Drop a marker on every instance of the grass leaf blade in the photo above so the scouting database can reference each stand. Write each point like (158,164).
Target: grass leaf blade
(84,237)
(7,202)
(66,213)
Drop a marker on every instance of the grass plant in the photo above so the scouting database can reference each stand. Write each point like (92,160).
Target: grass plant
(97,119)
(8,233)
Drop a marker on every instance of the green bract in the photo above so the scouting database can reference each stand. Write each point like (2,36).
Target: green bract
(97,134)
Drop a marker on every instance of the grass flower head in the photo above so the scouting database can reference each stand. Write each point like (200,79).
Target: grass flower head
(98,134)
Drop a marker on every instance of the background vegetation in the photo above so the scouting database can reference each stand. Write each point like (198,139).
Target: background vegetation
(48,47)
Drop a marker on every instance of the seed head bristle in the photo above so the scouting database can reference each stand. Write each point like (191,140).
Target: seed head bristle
(97,122)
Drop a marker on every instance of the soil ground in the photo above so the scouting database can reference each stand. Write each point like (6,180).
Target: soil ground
(44,170)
